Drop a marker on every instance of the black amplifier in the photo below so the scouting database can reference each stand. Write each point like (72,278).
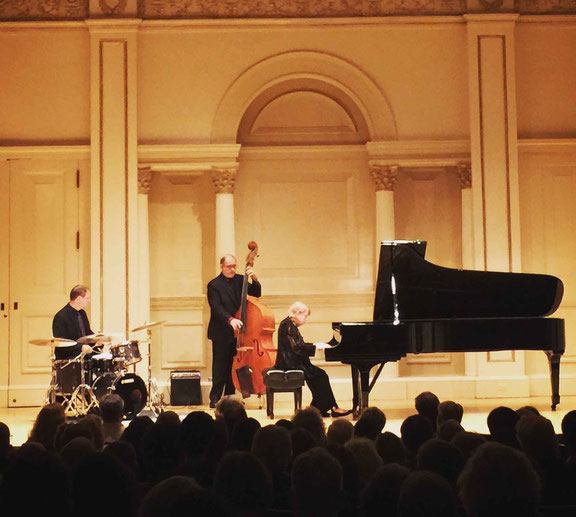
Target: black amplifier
(185,388)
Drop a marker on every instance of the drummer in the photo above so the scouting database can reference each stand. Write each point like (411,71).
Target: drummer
(71,322)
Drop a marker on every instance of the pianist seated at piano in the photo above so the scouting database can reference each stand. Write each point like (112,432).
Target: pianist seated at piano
(294,354)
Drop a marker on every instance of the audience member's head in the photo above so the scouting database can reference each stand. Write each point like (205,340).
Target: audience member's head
(95,423)
(527,411)
(136,430)
(81,429)
(310,419)
(537,438)
(502,425)
(449,410)
(126,454)
(569,432)
(160,452)
(168,417)
(302,441)
(467,443)
(426,404)
(273,446)
(381,495)
(351,483)
(415,430)
(390,448)
(230,409)
(446,430)
(31,482)
(113,478)
(243,482)
(441,457)
(315,494)
(74,452)
(499,481)
(367,458)
(284,422)
(5,447)
(426,494)
(243,434)
(339,431)
(196,433)
(370,424)
(47,422)
(111,408)
(178,496)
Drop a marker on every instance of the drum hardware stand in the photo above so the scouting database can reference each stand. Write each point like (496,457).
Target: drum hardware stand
(155,403)
(82,399)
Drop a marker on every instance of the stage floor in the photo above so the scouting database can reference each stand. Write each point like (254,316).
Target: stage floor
(20,420)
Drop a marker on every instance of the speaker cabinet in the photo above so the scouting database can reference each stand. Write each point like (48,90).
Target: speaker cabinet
(185,388)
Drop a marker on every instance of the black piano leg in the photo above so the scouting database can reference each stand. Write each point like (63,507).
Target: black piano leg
(554,362)
(355,392)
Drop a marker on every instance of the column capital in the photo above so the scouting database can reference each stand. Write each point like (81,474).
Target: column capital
(464,170)
(384,176)
(224,179)
(145,176)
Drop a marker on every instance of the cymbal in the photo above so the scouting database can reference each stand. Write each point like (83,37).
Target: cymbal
(148,325)
(91,339)
(53,341)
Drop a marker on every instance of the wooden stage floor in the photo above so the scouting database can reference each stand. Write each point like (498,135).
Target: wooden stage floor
(20,420)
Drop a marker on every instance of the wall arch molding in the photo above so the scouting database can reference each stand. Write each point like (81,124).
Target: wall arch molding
(323,68)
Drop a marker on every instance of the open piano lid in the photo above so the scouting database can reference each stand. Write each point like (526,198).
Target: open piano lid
(409,287)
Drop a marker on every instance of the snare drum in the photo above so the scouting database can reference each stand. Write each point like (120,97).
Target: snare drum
(101,364)
(68,375)
(127,352)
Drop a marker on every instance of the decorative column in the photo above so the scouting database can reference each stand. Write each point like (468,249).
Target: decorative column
(384,178)
(495,190)
(464,171)
(224,180)
(114,170)
(494,147)
(145,177)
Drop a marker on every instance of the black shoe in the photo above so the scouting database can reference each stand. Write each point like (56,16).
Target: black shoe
(342,412)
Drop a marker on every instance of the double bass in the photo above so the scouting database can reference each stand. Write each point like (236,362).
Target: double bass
(254,345)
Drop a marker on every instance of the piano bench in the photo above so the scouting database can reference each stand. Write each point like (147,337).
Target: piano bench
(280,381)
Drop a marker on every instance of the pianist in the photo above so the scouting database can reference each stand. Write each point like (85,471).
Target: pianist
(294,354)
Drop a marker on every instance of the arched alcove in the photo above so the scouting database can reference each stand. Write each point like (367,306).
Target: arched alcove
(259,89)
(302,112)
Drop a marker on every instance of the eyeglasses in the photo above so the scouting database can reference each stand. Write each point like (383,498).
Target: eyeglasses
(231,266)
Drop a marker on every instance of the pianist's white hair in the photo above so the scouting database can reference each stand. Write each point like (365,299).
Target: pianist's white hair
(298,308)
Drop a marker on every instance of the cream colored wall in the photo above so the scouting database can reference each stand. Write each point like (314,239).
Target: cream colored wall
(181,83)
(546,79)
(45,86)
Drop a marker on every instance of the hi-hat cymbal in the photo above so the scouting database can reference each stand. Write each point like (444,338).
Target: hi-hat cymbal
(53,341)
(148,325)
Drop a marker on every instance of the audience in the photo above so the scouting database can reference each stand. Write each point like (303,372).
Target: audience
(370,424)
(111,410)
(499,481)
(426,404)
(231,466)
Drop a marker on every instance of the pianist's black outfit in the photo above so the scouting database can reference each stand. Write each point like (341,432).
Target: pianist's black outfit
(70,324)
(294,354)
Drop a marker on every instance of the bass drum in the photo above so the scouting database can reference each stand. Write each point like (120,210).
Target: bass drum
(130,387)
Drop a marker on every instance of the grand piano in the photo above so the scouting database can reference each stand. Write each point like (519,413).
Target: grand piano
(424,308)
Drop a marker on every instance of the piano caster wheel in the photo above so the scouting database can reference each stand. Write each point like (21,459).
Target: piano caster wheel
(553,406)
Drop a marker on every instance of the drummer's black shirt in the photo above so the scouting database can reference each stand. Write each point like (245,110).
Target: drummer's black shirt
(66,324)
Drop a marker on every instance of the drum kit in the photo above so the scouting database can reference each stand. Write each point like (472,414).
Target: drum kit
(81,383)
